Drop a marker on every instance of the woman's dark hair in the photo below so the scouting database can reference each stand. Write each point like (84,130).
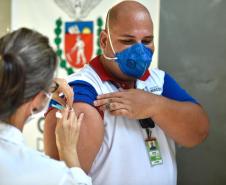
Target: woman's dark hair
(27,65)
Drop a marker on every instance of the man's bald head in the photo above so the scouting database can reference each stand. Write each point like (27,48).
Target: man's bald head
(126,10)
(129,23)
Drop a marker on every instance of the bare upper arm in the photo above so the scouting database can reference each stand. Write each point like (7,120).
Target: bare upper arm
(91,134)
(90,139)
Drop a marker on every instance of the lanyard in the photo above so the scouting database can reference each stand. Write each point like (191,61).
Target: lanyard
(147,123)
(148,132)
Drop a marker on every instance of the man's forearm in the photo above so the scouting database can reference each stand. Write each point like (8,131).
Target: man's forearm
(185,122)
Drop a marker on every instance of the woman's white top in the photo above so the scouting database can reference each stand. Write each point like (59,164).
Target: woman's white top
(21,165)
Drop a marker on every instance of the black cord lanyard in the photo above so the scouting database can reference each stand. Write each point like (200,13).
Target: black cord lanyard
(147,123)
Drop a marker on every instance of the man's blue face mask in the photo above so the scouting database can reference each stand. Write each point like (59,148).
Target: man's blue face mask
(133,61)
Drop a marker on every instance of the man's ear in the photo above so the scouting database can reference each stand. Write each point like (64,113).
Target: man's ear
(153,47)
(103,39)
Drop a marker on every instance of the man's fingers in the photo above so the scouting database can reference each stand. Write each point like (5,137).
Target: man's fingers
(102,108)
(114,106)
(111,95)
(120,112)
(98,103)
(117,106)
(102,102)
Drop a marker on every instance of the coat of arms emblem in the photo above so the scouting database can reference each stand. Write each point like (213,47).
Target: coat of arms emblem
(78,34)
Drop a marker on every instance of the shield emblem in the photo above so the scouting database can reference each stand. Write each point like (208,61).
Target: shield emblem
(78,42)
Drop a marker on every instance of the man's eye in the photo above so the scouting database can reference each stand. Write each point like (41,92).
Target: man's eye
(127,42)
(146,42)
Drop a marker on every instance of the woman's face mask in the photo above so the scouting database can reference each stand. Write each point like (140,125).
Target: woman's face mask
(44,103)
(133,61)
(42,106)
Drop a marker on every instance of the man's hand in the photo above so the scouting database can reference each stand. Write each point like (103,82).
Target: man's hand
(185,122)
(133,103)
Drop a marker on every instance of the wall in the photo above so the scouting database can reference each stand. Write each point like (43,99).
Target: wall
(193,49)
(5,16)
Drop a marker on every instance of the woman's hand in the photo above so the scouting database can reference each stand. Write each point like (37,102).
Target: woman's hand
(67,134)
(66,90)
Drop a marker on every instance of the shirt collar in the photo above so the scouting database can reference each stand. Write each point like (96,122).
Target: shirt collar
(10,133)
(104,76)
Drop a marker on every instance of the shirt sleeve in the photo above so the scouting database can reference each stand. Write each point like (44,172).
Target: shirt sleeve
(172,90)
(83,92)
(75,176)
(39,169)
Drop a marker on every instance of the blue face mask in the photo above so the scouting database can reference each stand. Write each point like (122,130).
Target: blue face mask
(133,61)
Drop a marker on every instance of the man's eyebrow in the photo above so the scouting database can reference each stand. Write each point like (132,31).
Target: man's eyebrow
(127,35)
(131,36)
(150,36)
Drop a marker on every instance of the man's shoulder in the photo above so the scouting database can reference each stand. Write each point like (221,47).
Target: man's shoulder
(157,72)
(154,83)
(156,75)
(85,74)
(87,80)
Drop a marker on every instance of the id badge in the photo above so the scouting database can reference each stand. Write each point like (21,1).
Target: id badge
(153,151)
